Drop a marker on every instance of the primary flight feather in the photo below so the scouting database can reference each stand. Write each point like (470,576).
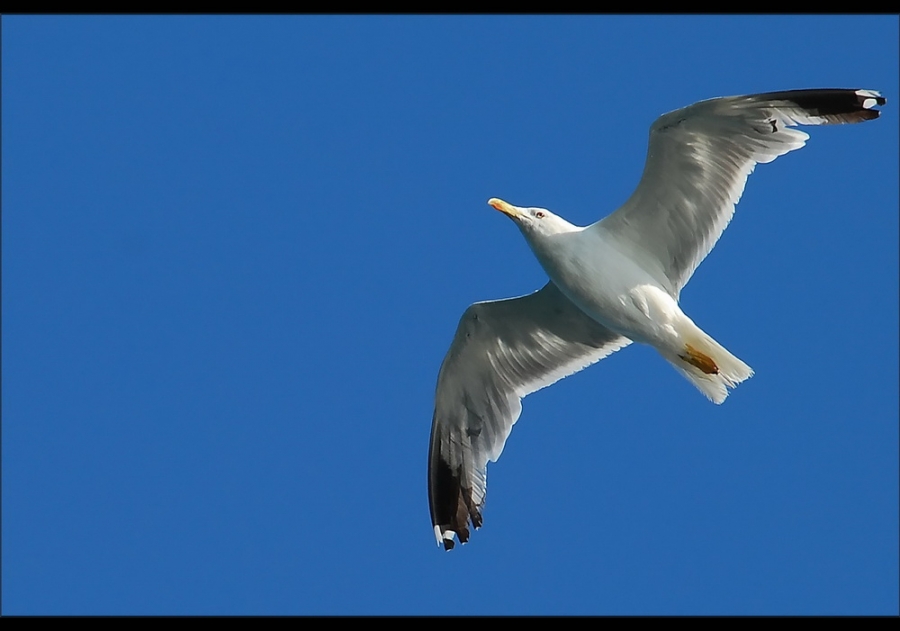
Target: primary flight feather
(614,282)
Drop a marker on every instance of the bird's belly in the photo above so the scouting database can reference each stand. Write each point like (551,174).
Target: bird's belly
(619,294)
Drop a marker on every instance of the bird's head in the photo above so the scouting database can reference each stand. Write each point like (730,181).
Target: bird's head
(533,222)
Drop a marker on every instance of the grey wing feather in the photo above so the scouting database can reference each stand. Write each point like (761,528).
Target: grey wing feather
(502,351)
(698,161)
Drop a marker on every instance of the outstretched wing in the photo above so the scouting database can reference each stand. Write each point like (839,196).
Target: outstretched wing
(698,162)
(502,351)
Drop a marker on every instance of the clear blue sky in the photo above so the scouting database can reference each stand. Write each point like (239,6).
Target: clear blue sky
(235,251)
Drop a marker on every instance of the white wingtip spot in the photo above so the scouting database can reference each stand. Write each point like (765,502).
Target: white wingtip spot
(869,103)
(870,93)
(437,535)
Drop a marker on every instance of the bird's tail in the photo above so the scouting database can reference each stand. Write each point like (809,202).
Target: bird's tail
(707,365)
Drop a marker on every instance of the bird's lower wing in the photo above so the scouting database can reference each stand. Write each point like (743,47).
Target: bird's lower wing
(698,161)
(502,351)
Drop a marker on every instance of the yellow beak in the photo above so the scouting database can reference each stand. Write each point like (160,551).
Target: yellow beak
(503,207)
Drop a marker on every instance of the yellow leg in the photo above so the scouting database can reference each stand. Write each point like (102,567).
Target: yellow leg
(700,360)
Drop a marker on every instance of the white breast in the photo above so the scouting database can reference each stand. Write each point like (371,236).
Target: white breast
(613,286)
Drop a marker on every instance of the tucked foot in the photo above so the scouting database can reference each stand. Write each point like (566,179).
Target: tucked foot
(702,361)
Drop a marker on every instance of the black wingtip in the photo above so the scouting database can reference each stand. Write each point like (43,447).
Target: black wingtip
(452,506)
(834,105)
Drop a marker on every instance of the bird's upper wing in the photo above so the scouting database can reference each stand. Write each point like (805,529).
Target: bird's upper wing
(502,351)
(698,162)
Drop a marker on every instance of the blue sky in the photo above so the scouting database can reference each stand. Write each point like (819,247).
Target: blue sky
(235,251)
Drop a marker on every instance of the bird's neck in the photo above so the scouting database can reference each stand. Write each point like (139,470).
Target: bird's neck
(549,246)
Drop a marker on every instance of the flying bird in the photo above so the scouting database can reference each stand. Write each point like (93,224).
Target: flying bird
(612,283)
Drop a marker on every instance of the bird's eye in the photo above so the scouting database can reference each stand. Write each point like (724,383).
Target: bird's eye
(539,215)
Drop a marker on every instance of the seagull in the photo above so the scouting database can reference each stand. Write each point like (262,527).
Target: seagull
(612,283)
